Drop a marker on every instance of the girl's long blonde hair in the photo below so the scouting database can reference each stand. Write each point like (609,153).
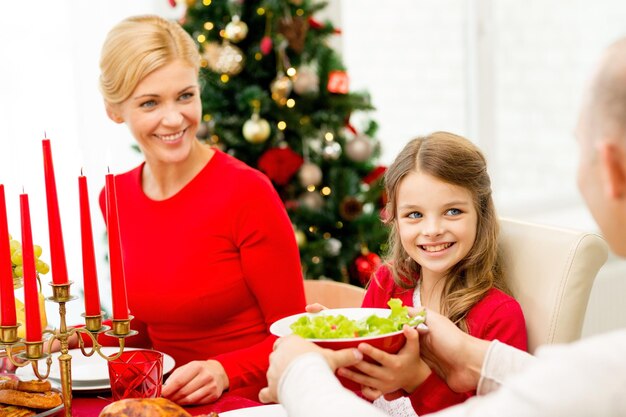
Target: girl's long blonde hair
(455,160)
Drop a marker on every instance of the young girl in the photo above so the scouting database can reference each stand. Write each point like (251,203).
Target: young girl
(443,256)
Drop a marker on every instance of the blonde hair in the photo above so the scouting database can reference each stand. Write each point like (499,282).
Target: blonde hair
(454,160)
(137,46)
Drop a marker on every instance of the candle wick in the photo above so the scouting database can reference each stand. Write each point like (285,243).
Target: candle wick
(108,170)
(45,135)
(81,171)
(23,192)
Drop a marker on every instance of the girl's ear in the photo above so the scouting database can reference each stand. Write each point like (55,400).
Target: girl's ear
(113,112)
(613,160)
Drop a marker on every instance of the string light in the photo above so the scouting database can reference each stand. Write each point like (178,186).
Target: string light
(312,229)
(224,78)
(326,235)
(339,225)
(258,56)
(291,103)
(310,188)
(207,117)
(206,2)
(326,191)
(282,125)
(208,25)
(329,136)
(201,38)
(204,63)
(291,71)
(315,259)
(260,11)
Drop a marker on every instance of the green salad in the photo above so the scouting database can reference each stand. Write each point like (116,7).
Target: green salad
(339,326)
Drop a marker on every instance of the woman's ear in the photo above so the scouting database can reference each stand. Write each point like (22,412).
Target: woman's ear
(613,160)
(113,112)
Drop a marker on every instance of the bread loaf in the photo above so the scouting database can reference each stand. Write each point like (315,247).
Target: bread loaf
(144,407)
(39,400)
(29,386)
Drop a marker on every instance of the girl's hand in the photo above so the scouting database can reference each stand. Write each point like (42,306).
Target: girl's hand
(404,370)
(314,308)
(198,382)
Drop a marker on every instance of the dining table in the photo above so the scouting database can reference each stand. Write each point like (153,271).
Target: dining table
(91,404)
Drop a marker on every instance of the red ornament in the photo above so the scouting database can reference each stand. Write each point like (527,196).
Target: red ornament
(172,3)
(280,164)
(366,265)
(375,174)
(266,45)
(338,82)
(315,24)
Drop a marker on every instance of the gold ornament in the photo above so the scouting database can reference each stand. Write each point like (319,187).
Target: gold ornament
(281,88)
(301,239)
(236,30)
(224,59)
(256,129)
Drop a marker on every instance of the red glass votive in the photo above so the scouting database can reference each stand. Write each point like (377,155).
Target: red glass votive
(136,374)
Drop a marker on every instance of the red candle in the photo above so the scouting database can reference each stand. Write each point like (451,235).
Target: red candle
(31,295)
(118,283)
(7,296)
(57,252)
(90,275)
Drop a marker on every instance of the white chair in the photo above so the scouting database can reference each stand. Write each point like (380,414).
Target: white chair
(550,272)
(333,294)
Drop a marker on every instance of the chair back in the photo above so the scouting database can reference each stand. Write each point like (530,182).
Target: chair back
(550,272)
(333,294)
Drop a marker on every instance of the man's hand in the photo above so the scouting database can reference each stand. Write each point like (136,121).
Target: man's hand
(287,349)
(453,354)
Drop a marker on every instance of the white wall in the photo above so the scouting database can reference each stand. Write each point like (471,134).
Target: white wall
(49,52)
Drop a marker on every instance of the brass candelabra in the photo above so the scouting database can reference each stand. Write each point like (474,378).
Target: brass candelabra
(30,353)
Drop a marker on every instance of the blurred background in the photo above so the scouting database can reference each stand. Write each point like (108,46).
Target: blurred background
(506,74)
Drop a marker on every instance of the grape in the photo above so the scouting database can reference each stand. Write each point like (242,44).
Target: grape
(16,257)
(41,267)
(18,271)
(15,245)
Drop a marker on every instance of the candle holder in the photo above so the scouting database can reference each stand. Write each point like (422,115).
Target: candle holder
(31,353)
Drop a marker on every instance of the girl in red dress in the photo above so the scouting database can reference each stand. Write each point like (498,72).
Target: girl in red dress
(443,256)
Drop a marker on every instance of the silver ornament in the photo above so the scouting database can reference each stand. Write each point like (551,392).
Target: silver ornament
(331,151)
(359,149)
(333,246)
(306,82)
(312,200)
(310,174)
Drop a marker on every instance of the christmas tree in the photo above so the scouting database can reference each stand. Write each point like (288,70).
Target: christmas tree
(276,96)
